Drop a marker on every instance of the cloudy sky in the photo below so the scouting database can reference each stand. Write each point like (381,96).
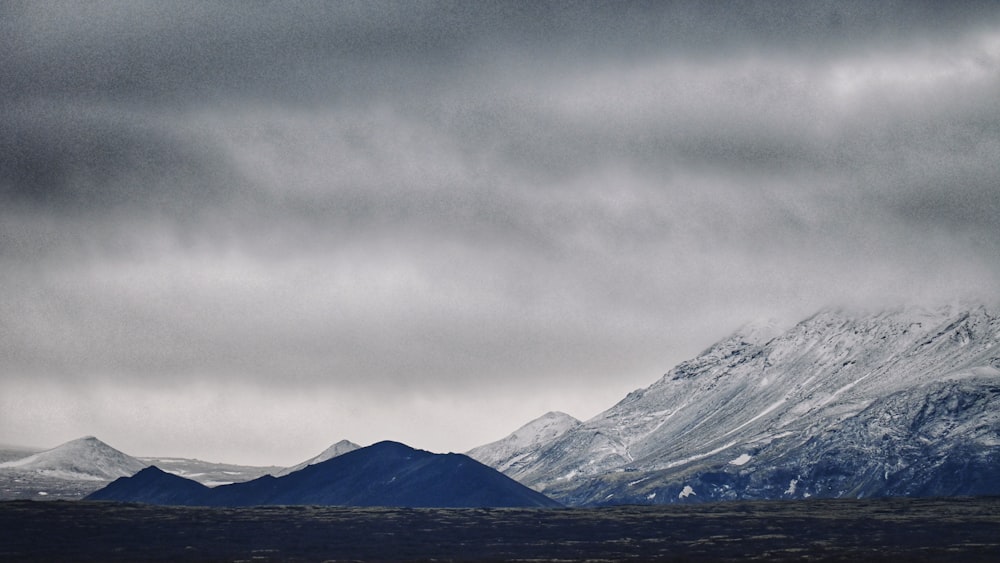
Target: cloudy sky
(244,231)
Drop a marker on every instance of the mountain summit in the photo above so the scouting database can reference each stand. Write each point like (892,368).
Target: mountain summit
(383,474)
(905,402)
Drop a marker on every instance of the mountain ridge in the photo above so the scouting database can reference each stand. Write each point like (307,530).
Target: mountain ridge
(754,412)
(384,474)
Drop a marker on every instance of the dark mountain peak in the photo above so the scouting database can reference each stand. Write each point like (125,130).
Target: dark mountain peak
(389,446)
(150,472)
(383,474)
(154,486)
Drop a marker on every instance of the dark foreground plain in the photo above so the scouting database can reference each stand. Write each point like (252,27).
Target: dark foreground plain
(962,529)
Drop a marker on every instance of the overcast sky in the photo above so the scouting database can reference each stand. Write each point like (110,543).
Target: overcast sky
(244,231)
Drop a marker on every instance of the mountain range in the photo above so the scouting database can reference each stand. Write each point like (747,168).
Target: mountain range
(843,404)
(79,467)
(383,474)
(904,402)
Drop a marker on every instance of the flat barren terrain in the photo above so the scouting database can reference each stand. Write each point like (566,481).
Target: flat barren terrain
(964,529)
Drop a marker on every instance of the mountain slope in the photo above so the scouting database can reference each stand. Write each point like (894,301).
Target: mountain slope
(384,474)
(763,416)
(521,448)
(84,459)
(340,448)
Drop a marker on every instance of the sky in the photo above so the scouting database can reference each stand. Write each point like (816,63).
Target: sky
(243,231)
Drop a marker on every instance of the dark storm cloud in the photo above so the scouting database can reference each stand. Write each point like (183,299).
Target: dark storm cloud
(156,51)
(81,160)
(446,203)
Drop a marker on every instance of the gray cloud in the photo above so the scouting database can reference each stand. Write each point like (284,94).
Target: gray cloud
(406,210)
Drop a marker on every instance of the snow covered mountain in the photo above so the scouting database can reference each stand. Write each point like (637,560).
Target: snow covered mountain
(83,459)
(340,448)
(520,449)
(842,404)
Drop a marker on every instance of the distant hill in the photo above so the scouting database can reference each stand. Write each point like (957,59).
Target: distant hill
(383,474)
(83,459)
(340,448)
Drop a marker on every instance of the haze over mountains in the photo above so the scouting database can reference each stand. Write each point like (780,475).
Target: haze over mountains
(905,402)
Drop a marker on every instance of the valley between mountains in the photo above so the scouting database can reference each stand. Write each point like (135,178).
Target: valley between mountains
(903,402)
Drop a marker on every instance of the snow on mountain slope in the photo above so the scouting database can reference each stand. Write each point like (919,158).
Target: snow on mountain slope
(85,459)
(340,448)
(520,449)
(13,453)
(757,404)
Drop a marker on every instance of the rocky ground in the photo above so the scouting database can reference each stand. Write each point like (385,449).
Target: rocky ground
(966,529)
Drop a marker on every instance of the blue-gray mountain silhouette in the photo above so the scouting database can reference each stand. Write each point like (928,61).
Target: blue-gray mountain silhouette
(152,485)
(383,474)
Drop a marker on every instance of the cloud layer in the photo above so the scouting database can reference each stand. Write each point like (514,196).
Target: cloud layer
(432,222)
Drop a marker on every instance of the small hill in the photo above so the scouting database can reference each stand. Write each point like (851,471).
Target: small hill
(383,474)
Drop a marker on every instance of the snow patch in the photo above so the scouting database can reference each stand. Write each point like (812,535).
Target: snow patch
(742,460)
(791,487)
(673,464)
(568,476)
(651,495)
(760,415)
(686,492)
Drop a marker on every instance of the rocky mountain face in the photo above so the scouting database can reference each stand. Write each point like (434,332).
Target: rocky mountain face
(904,402)
(383,474)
